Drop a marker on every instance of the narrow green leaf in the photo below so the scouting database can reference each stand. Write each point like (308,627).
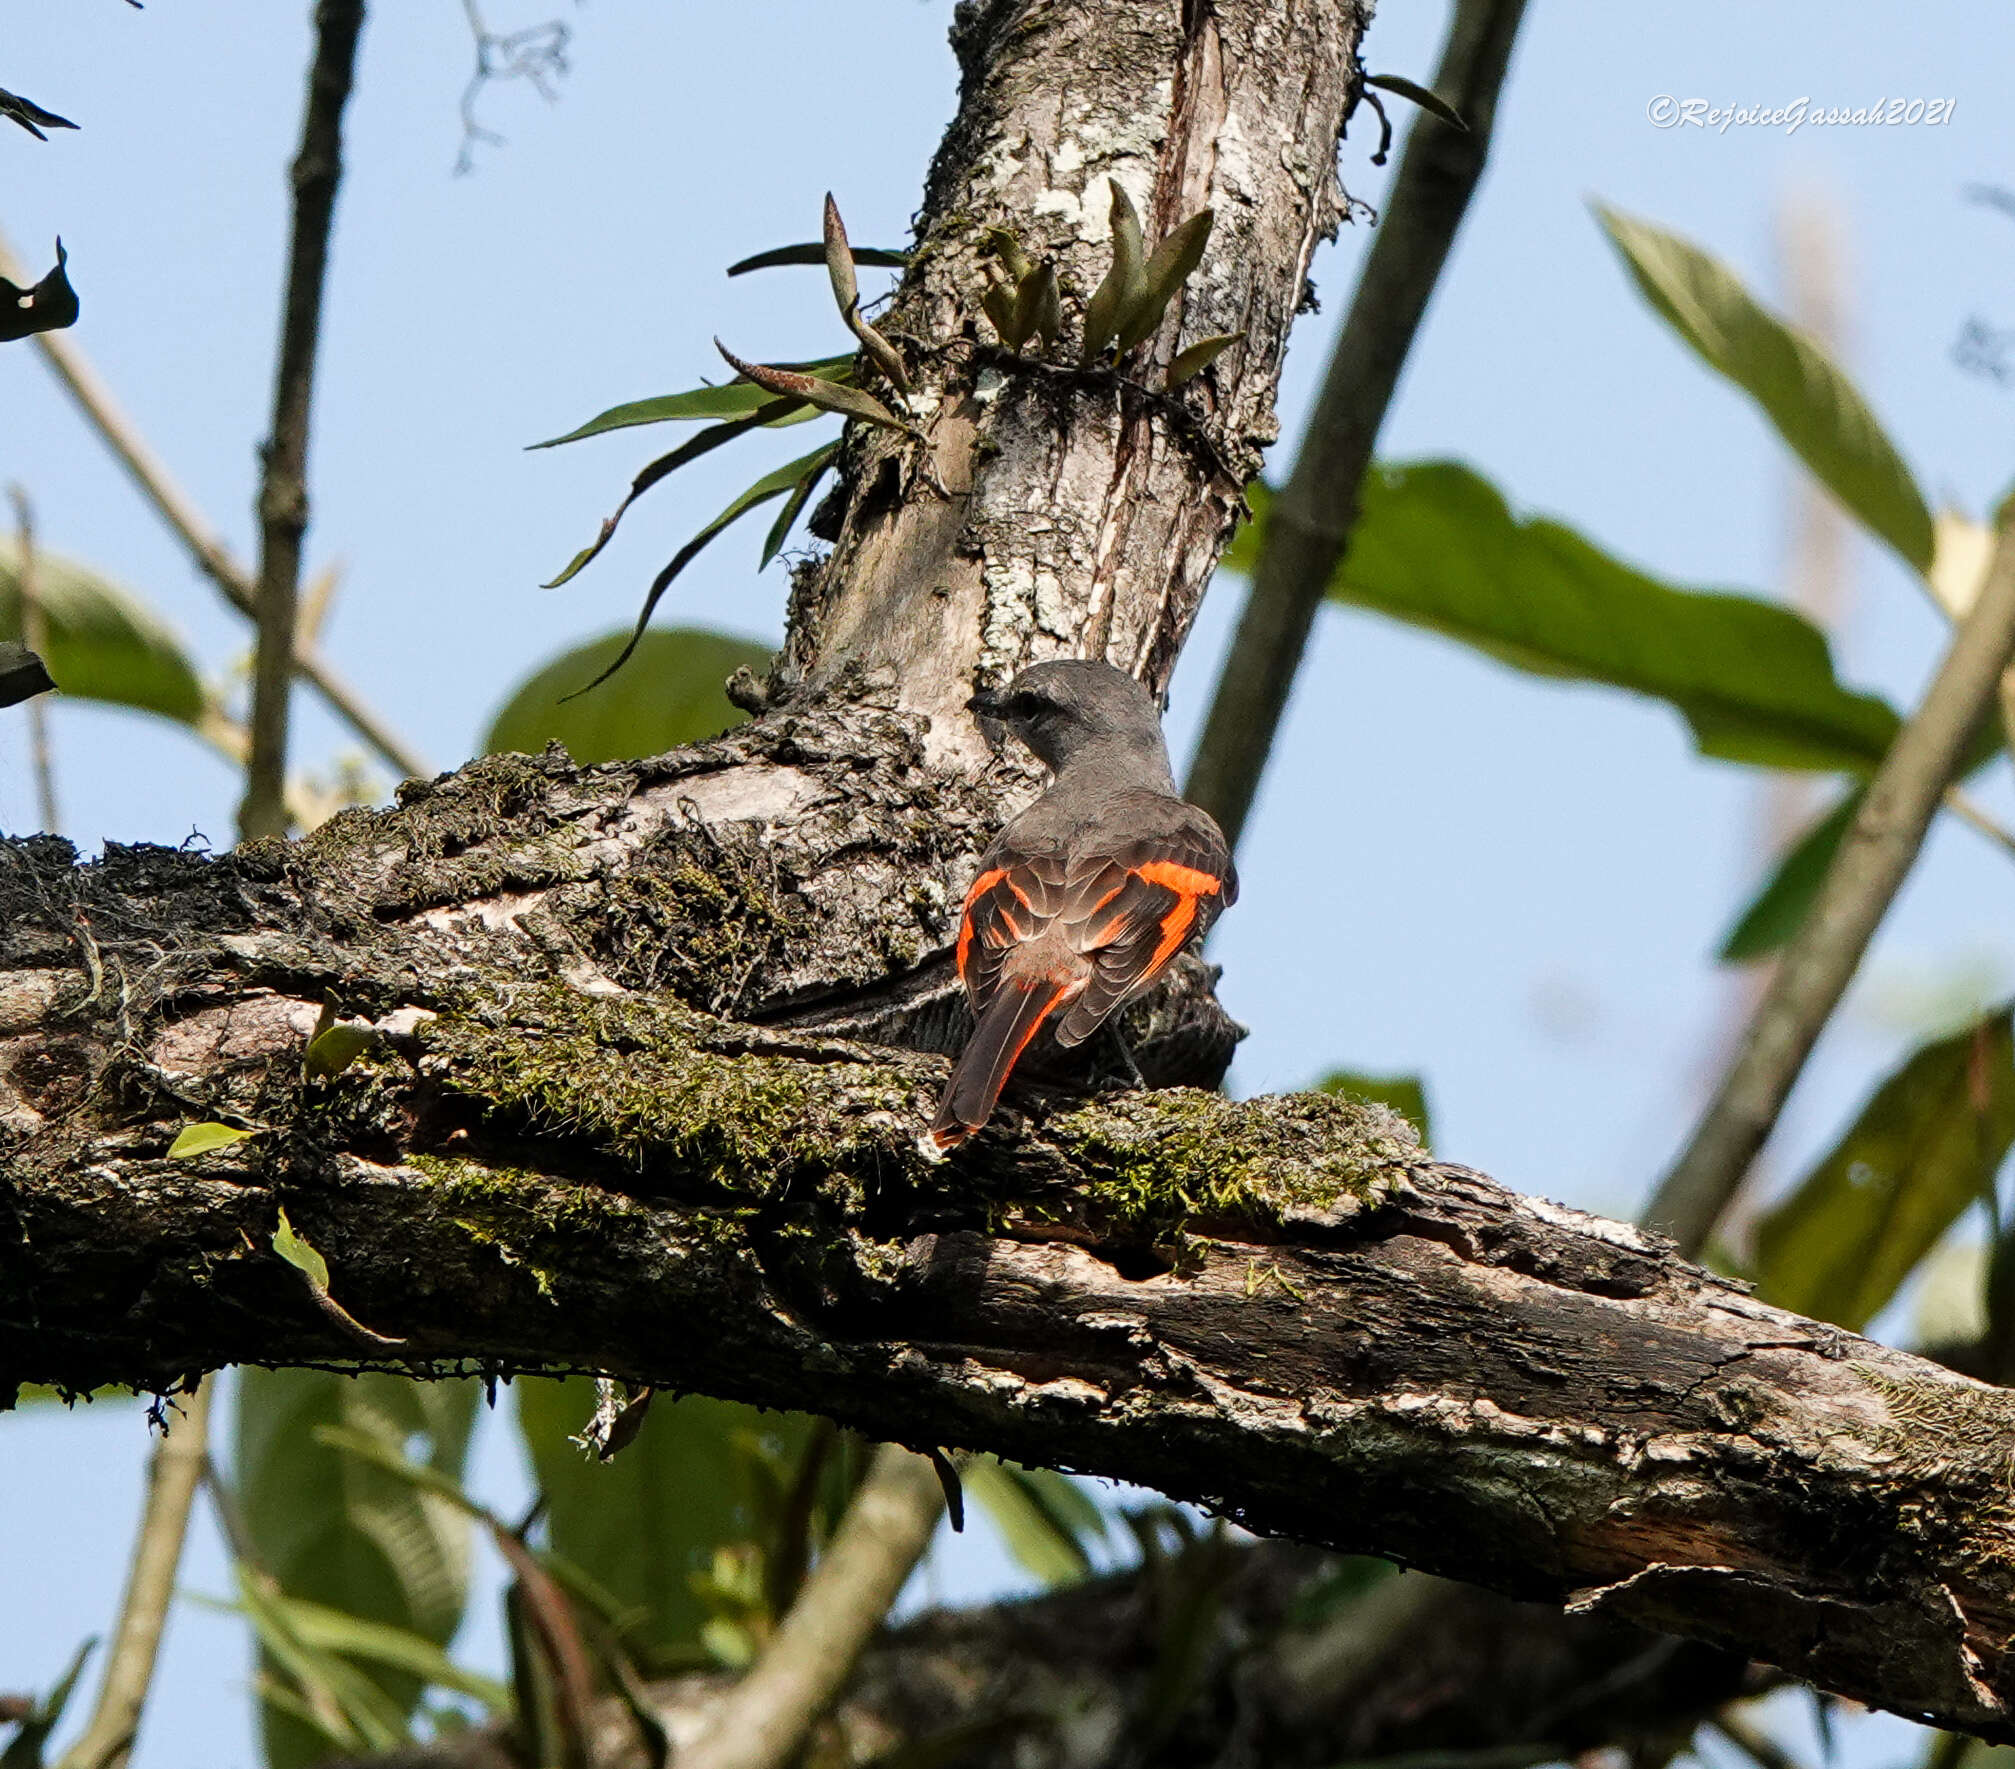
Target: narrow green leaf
(840,262)
(998,301)
(671,696)
(334,1630)
(330,1052)
(1165,272)
(1121,286)
(1041,302)
(1779,909)
(98,640)
(1924,1148)
(1815,408)
(830,396)
(646,1526)
(346,1702)
(814,252)
(775,412)
(200,1139)
(800,495)
(1193,359)
(1424,96)
(1047,1521)
(338,1532)
(1405,1094)
(1435,546)
(1005,246)
(298,1253)
(24,1749)
(771,485)
(732,399)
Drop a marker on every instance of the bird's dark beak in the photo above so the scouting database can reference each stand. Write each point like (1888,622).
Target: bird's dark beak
(985,705)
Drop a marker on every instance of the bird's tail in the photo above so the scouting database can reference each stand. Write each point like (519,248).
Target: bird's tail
(1006,1025)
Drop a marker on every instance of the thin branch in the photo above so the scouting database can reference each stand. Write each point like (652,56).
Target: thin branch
(206,548)
(1752,1741)
(537,54)
(763,1722)
(283,490)
(1881,846)
(35,635)
(173,1475)
(1310,521)
(1969,810)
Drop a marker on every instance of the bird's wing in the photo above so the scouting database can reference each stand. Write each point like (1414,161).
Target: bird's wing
(1109,921)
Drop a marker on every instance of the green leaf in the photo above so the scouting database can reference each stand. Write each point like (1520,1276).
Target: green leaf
(1435,546)
(780,530)
(828,396)
(1424,96)
(646,1525)
(1047,1520)
(774,415)
(200,1139)
(337,1631)
(330,1052)
(671,696)
(335,1701)
(99,641)
(1193,359)
(1121,286)
(771,485)
(1815,408)
(814,252)
(1405,1094)
(1164,273)
(298,1253)
(24,1749)
(1779,909)
(1924,1148)
(733,399)
(339,1532)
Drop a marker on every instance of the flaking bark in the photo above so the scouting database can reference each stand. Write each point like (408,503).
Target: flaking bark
(1281,1309)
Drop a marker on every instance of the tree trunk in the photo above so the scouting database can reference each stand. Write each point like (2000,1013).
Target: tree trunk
(619,1111)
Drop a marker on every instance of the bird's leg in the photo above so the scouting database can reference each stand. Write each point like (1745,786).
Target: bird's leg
(1125,1055)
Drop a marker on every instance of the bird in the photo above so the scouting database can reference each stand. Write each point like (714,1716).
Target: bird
(1086,898)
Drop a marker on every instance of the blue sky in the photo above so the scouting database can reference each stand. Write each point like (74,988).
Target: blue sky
(1520,884)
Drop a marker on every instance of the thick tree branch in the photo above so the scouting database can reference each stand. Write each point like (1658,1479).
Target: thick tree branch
(283,486)
(1219,1654)
(1281,1309)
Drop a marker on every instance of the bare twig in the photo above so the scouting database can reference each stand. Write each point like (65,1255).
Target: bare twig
(35,635)
(762,1723)
(175,1472)
(1880,848)
(118,432)
(283,489)
(1310,521)
(1968,810)
(537,54)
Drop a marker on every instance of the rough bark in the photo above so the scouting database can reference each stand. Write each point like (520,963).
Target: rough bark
(1222,1654)
(1281,1309)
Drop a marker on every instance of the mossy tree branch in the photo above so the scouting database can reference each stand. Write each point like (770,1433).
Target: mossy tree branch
(1280,1308)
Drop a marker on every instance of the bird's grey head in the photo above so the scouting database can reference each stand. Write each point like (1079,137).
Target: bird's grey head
(1059,709)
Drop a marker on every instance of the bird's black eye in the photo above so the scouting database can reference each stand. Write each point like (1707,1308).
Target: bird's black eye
(1024,705)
